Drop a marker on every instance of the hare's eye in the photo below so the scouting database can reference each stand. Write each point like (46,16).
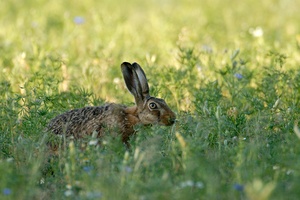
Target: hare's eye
(152,105)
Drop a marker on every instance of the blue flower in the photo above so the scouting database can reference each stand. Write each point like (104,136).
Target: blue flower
(78,20)
(238,76)
(128,169)
(238,187)
(87,168)
(94,195)
(6,191)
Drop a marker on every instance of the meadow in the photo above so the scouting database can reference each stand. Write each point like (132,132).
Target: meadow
(229,69)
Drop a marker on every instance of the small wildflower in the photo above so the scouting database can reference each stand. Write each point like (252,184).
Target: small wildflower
(68,186)
(276,167)
(94,195)
(190,183)
(78,20)
(68,193)
(199,67)
(87,168)
(117,80)
(150,58)
(199,184)
(42,181)
(289,172)
(128,169)
(238,187)
(238,75)
(234,138)
(6,191)
(9,159)
(256,32)
(93,142)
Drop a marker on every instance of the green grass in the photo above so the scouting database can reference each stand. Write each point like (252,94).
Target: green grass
(229,69)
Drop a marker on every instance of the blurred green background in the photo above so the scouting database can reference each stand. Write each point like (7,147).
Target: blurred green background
(92,38)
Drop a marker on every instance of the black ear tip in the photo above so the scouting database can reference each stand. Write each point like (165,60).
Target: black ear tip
(125,63)
(135,64)
(128,63)
(126,66)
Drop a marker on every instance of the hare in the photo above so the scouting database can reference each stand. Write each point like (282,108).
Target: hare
(114,117)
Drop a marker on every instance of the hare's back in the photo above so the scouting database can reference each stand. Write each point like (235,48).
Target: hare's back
(80,122)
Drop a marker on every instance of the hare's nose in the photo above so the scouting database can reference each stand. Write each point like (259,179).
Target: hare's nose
(172,120)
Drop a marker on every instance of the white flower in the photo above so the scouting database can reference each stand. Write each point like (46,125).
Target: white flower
(68,193)
(256,32)
(190,183)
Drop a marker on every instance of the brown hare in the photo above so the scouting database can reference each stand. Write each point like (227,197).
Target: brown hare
(114,117)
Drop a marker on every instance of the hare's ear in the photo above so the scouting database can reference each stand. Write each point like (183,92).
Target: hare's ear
(142,78)
(136,81)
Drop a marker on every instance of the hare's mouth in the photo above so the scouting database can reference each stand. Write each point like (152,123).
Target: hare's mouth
(167,121)
(172,121)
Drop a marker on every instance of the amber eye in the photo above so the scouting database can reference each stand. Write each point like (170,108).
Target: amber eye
(152,105)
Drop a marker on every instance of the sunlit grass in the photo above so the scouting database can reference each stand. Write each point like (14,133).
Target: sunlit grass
(229,69)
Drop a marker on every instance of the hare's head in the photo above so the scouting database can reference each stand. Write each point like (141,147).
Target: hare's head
(150,110)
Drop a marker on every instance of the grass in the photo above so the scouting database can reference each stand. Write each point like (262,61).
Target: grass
(229,69)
